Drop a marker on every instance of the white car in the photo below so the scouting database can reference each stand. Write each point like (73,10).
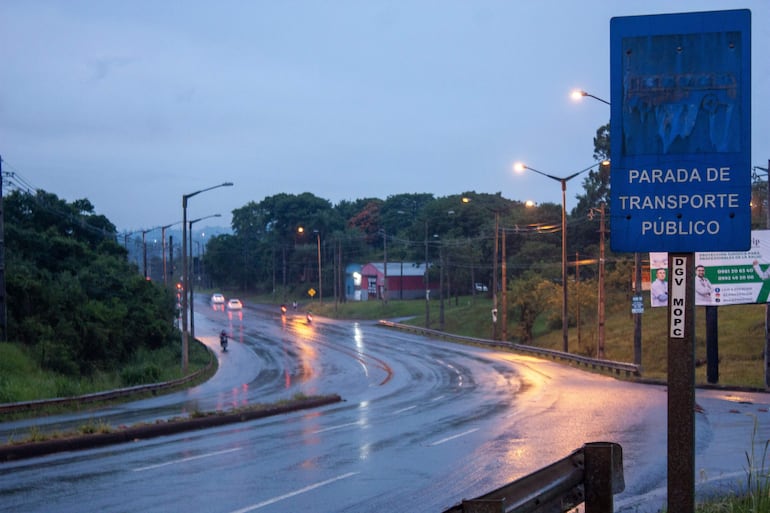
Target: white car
(234,304)
(217,299)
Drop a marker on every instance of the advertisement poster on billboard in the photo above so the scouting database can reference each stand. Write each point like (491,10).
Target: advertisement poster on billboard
(721,277)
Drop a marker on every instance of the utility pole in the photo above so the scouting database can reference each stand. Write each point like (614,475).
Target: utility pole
(3,301)
(504,316)
(600,352)
(494,277)
(427,289)
(385,267)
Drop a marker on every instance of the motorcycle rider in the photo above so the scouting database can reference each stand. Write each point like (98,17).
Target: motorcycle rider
(223,340)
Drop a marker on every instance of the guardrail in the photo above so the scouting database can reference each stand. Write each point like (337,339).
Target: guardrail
(629,369)
(107,395)
(590,475)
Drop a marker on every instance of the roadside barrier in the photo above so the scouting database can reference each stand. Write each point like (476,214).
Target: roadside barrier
(590,475)
(618,368)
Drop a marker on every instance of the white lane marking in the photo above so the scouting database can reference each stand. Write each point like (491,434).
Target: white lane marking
(340,426)
(402,410)
(292,494)
(444,440)
(437,398)
(191,458)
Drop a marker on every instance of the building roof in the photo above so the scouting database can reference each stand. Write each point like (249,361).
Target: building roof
(395,268)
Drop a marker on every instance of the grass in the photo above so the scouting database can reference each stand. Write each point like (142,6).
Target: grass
(21,379)
(740,334)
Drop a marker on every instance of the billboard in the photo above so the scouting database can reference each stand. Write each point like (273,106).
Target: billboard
(681,132)
(721,277)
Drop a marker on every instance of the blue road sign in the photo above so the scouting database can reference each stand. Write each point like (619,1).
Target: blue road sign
(681,132)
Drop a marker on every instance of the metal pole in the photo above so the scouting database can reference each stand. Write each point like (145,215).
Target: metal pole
(503,313)
(320,290)
(192,267)
(494,277)
(385,268)
(185,285)
(144,253)
(427,289)
(637,316)
(600,330)
(163,251)
(564,311)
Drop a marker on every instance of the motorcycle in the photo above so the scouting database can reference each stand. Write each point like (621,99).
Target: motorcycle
(223,341)
(309,317)
(283,309)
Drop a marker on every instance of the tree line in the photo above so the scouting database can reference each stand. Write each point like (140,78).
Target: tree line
(73,301)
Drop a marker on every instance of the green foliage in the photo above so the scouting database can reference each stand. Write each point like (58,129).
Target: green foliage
(74,303)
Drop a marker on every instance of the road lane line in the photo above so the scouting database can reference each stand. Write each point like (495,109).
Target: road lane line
(191,458)
(402,410)
(450,438)
(292,494)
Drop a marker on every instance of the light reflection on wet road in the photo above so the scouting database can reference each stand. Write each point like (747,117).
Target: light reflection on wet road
(423,423)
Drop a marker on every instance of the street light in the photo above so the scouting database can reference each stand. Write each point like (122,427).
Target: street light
(578,94)
(519,167)
(163,244)
(186,277)
(192,302)
(144,249)
(320,290)
(301,230)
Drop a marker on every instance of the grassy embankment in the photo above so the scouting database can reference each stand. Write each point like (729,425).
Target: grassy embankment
(22,379)
(741,332)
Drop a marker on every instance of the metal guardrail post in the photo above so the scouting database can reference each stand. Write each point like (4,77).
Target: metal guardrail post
(590,475)
(603,476)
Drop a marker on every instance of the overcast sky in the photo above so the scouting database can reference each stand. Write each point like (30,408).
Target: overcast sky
(132,104)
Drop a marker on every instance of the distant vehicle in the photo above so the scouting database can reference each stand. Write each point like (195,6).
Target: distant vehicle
(234,304)
(480,287)
(217,299)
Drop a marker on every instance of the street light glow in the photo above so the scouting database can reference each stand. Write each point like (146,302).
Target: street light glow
(518,166)
(578,95)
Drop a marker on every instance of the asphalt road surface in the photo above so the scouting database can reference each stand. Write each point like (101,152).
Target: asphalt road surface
(423,424)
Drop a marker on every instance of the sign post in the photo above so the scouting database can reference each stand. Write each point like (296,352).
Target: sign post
(681,176)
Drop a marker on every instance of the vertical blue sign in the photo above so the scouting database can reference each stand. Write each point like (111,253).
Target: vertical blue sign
(681,132)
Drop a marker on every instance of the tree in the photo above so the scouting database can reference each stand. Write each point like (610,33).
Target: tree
(530,297)
(73,300)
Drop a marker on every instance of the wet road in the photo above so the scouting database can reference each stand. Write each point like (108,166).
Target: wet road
(423,424)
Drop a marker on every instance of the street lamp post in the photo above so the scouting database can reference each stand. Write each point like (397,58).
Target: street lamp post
(600,307)
(320,290)
(577,95)
(144,250)
(186,278)
(564,312)
(163,243)
(192,265)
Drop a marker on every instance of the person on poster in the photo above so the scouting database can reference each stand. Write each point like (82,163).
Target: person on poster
(659,289)
(763,275)
(702,286)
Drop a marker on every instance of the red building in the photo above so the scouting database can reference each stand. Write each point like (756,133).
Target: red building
(406,280)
